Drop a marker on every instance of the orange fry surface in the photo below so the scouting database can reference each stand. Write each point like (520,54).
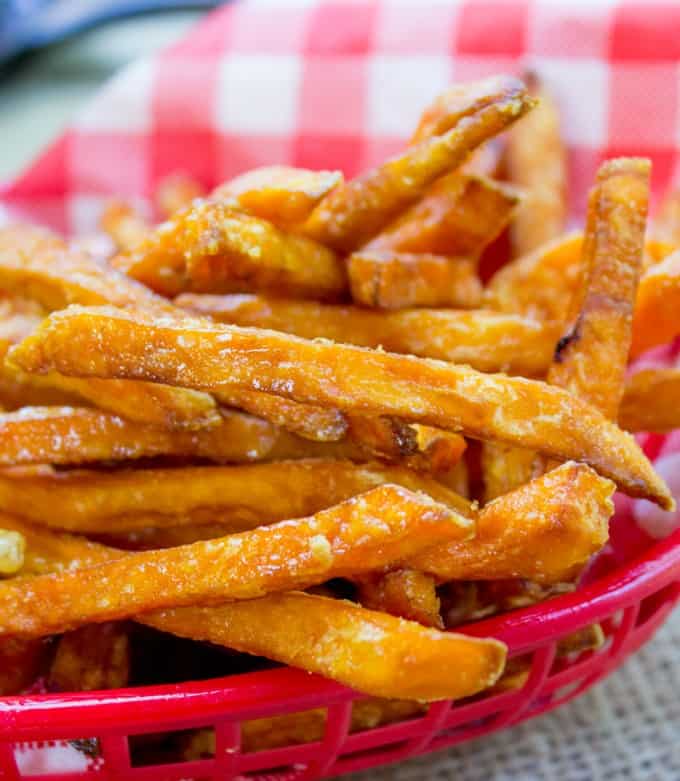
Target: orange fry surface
(239,497)
(544,530)
(397,280)
(406,593)
(484,340)
(364,533)
(114,343)
(651,401)
(656,320)
(124,224)
(356,211)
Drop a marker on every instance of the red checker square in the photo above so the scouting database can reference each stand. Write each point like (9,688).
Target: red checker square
(377,149)
(341,28)
(49,210)
(492,27)
(468,68)
(560,30)
(645,31)
(209,37)
(319,150)
(414,29)
(268,30)
(643,105)
(332,95)
(47,175)
(108,163)
(239,152)
(177,80)
(194,152)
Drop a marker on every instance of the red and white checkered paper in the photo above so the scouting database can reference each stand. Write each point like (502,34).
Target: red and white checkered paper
(328,84)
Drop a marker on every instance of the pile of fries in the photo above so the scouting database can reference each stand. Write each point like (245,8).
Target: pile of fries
(294,421)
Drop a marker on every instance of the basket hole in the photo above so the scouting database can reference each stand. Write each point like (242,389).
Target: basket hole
(168,748)
(288,729)
(39,758)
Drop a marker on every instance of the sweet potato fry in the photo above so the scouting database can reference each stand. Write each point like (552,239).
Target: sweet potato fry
(459,215)
(406,593)
(657,304)
(397,280)
(124,224)
(283,195)
(379,654)
(590,359)
(175,192)
(238,497)
(18,317)
(651,401)
(504,468)
(355,212)
(91,658)
(481,339)
(12,549)
(544,530)
(364,533)
(114,343)
(536,162)
(212,247)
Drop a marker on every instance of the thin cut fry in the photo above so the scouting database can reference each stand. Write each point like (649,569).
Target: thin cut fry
(283,195)
(459,215)
(544,530)
(113,343)
(364,533)
(239,497)
(397,280)
(372,652)
(355,212)
(484,340)
(175,192)
(406,593)
(657,305)
(651,401)
(504,468)
(536,162)
(12,549)
(124,224)
(212,247)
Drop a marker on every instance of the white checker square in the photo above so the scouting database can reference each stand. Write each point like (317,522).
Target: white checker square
(258,94)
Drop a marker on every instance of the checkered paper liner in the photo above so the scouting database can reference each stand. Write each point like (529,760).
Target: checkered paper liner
(340,85)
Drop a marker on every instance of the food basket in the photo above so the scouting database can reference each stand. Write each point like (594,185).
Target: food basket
(338,85)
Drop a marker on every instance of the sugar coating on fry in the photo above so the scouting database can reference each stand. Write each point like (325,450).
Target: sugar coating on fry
(544,530)
(656,319)
(459,215)
(406,593)
(484,340)
(114,343)
(651,401)
(176,191)
(364,533)
(124,224)
(239,497)
(354,212)
(397,280)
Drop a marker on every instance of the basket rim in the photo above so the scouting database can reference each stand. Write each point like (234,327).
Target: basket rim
(267,692)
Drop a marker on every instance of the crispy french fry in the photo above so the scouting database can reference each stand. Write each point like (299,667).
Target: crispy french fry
(397,280)
(438,451)
(154,537)
(124,224)
(12,550)
(656,319)
(91,658)
(237,497)
(406,593)
(484,340)
(504,468)
(355,212)
(21,662)
(213,247)
(364,533)
(459,215)
(544,530)
(651,401)
(536,162)
(18,317)
(283,195)
(114,343)
(175,192)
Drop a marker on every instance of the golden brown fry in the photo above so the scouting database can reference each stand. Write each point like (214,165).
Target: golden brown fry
(21,662)
(484,340)
(459,215)
(364,533)
(124,224)
(212,247)
(114,343)
(355,212)
(283,195)
(406,593)
(12,550)
(536,162)
(175,192)
(656,319)
(590,360)
(651,401)
(18,317)
(438,451)
(504,468)
(238,497)
(91,658)
(397,280)
(544,530)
